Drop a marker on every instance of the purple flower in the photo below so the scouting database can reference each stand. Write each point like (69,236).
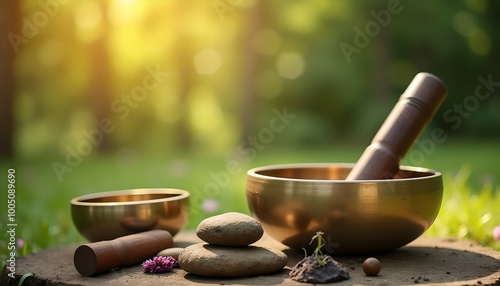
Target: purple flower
(496,233)
(159,264)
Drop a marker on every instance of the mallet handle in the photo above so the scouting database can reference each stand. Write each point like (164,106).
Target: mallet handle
(97,257)
(411,114)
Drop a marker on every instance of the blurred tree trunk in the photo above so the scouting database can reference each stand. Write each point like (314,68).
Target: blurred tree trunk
(100,90)
(255,20)
(10,23)
(382,46)
(185,67)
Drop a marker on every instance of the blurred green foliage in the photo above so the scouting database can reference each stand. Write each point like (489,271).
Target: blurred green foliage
(230,62)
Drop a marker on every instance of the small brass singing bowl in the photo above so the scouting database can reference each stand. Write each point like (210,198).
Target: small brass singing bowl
(293,202)
(109,215)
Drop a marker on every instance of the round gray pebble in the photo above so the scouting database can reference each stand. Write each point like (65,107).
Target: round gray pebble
(230,229)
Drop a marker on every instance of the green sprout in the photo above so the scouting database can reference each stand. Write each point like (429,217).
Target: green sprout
(317,251)
(21,281)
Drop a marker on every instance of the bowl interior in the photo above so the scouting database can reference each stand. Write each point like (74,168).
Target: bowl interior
(128,198)
(330,172)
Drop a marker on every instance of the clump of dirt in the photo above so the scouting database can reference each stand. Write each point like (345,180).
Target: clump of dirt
(309,270)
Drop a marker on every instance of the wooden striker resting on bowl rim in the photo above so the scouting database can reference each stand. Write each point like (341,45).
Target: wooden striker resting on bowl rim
(407,120)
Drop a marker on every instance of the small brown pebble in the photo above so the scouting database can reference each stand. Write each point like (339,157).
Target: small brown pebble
(371,266)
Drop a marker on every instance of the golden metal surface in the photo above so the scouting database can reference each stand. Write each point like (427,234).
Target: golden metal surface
(109,215)
(293,202)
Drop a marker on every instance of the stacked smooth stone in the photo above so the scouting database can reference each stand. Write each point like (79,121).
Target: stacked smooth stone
(227,251)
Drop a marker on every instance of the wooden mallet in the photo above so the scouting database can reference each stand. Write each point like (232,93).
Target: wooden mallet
(97,257)
(407,120)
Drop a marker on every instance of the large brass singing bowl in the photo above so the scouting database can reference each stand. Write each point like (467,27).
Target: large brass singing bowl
(293,202)
(109,215)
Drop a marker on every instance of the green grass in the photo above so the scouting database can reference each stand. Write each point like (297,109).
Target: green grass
(466,213)
(470,206)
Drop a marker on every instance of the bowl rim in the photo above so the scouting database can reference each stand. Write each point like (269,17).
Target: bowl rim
(178,195)
(253,173)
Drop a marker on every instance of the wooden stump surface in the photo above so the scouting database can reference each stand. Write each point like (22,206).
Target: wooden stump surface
(426,261)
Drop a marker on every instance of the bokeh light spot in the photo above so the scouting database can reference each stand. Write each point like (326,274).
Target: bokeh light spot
(210,205)
(290,65)
(480,43)
(464,23)
(88,15)
(299,16)
(478,5)
(125,11)
(207,61)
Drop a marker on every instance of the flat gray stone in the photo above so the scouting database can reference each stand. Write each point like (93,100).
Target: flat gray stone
(220,261)
(230,229)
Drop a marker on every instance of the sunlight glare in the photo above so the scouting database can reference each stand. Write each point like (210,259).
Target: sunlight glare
(123,11)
